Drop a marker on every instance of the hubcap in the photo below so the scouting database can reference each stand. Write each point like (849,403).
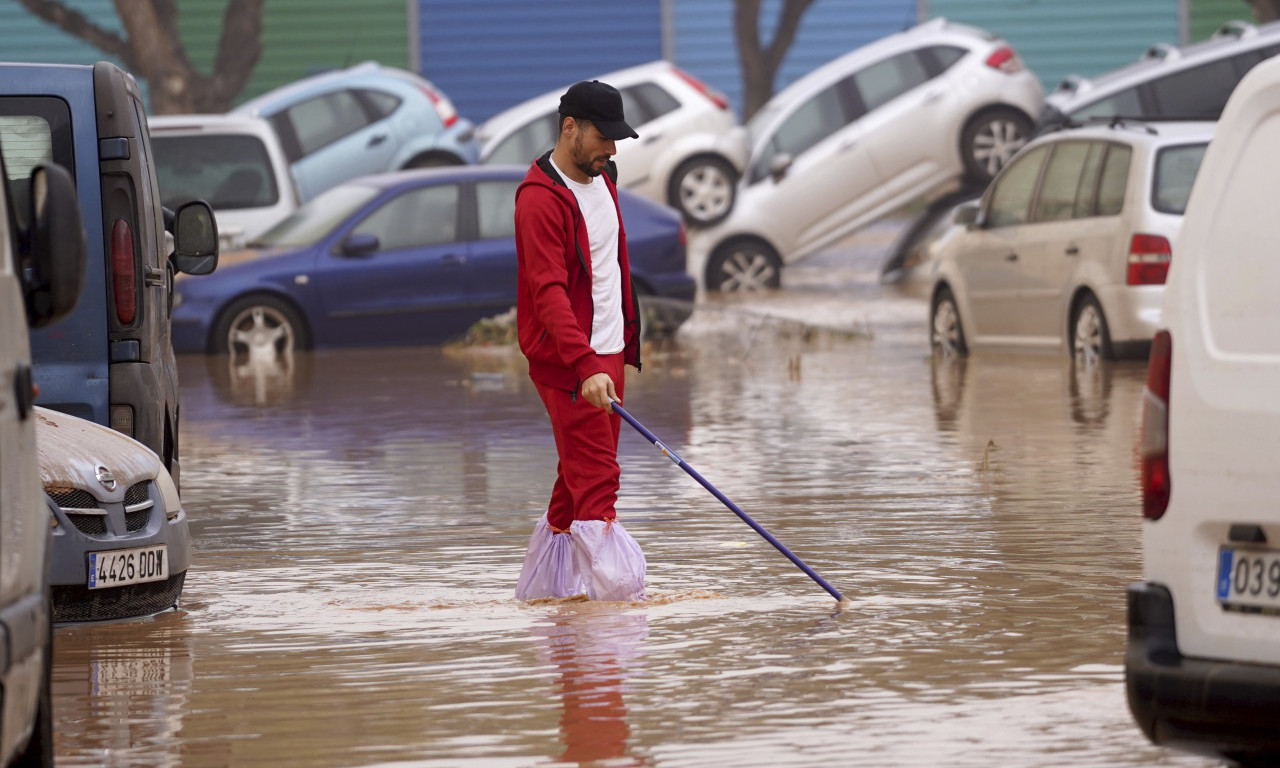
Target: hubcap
(996,144)
(260,335)
(946,328)
(705,193)
(746,271)
(1088,336)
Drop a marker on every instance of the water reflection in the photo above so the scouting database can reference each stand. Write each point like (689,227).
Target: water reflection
(594,652)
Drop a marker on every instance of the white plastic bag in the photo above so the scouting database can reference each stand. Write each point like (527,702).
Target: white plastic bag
(550,566)
(609,560)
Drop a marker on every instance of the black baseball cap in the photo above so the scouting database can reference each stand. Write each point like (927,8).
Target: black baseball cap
(601,104)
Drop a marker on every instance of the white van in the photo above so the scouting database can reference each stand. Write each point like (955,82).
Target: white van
(1203,663)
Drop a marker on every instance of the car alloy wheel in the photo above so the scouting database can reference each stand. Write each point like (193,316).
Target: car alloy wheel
(991,140)
(946,334)
(703,189)
(260,330)
(744,267)
(1090,341)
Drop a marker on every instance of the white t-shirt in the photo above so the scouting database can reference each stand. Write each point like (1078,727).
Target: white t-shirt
(607,329)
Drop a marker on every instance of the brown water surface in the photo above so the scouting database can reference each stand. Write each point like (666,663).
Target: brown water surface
(359,522)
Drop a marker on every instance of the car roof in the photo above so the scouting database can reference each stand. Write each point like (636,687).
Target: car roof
(208,123)
(1229,38)
(315,84)
(536,105)
(1153,133)
(939,29)
(451,173)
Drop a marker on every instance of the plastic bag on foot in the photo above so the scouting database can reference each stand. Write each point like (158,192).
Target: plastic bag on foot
(550,566)
(609,560)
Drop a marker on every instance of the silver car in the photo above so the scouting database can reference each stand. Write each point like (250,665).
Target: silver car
(1167,83)
(862,135)
(1070,245)
(121,545)
(688,156)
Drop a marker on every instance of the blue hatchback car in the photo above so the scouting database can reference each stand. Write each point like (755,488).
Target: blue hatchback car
(365,119)
(408,258)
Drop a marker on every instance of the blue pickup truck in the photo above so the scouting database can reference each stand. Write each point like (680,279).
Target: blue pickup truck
(110,360)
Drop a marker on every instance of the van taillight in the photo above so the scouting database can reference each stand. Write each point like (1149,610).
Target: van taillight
(124,287)
(716,97)
(1155,428)
(1005,59)
(1149,257)
(444,107)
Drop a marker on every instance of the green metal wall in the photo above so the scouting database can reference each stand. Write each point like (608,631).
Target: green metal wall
(1208,15)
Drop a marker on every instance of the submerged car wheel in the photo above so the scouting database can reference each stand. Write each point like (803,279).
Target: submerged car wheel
(703,189)
(746,265)
(1090,340)
(946,334)
(990,140)
(260,328)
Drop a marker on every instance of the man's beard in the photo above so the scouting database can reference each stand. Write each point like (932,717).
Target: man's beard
(587,166)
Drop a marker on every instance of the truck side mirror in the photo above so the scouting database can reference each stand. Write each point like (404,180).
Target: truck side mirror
(195,238)
(54,246)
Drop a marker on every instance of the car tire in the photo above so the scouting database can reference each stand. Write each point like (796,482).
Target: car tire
(990,140)
(1090,338)
(432,160)
(946,332)
(744,266)
(704,190)
(251,327)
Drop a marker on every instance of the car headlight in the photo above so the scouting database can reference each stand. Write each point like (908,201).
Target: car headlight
(168,494)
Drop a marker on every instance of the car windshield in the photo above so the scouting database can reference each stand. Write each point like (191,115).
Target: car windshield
(317,218)
(1176,169)
(227,171)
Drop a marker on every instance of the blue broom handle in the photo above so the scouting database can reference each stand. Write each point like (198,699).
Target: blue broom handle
(670,454)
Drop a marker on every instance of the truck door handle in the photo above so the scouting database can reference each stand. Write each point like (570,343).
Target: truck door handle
(376,140)
(1072,251)
(453,258)
(1011,257)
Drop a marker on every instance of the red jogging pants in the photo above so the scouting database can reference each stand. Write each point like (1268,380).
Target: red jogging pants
(587,442)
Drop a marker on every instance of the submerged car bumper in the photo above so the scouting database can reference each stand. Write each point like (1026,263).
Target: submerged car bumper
(1212,707)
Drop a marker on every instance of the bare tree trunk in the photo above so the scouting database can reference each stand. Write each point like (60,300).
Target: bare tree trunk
(1265,10)
(153,51)
(760,63)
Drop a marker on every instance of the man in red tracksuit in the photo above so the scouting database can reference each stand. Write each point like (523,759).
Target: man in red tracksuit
(578,325)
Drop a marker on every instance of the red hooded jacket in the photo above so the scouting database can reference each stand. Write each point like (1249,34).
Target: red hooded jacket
(554,309)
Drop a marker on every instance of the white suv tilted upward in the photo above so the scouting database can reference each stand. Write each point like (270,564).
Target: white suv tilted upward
(1203,663)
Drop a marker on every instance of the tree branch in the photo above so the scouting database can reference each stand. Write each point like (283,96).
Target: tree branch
(78,25)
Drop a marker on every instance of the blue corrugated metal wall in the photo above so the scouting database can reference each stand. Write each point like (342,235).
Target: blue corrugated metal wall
(1084,37)
(705,45)
(494,54)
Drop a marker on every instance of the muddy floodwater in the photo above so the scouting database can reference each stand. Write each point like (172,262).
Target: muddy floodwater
(359,519)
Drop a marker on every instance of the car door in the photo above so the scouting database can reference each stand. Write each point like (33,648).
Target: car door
(1075,222)
(905,135)
(989,264)
(406,287)
(491,259)
(338,138)
(829,176)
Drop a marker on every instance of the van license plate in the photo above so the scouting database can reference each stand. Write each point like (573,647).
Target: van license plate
(128,566)
(1249,578)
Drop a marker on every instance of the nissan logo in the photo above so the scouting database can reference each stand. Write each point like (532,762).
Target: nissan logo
(107,479)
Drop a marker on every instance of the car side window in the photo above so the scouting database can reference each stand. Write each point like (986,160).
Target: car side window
(939,58)
(1199,92)
(1115,178)
(813,121)
(1126,103)
(528,142)
(321,121)
(496,209)
(380,103)
(646,101)
(886,80)
(1012,191)
(1087,194)
(1057,198)
(33,130)
(418,218)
